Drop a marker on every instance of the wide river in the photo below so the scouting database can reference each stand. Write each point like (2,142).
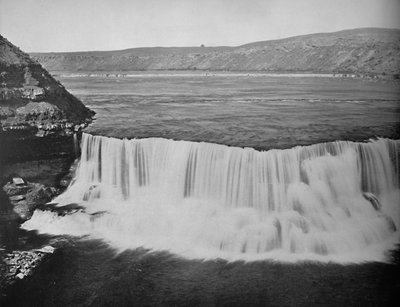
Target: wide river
(247,110)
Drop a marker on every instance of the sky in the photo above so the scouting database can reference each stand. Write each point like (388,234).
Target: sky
(81,25)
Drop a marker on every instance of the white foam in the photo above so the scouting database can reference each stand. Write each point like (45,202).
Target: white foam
(203,200)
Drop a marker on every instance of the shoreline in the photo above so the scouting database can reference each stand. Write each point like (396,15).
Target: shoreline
(220,73)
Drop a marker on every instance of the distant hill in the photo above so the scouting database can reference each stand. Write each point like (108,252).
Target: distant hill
(366,50)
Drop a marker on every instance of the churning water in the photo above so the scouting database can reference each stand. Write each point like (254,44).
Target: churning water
(330,201)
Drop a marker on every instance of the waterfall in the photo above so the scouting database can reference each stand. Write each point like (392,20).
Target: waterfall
(76,145)
(332,201)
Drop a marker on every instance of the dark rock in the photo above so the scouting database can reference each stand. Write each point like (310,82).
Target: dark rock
(34,106)
(24,82)
(38,117)
(25,199)
(20,264)
(12,189)
(39,195)
(66,180)
(23,210)
(17,198)
(373,199)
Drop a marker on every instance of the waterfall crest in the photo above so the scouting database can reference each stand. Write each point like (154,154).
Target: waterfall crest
(331,201)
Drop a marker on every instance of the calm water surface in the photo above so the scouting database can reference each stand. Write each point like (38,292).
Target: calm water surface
(242,110)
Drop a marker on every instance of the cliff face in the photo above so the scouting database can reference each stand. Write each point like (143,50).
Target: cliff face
(38,116)
(371,51)
(40,124)
(31,100)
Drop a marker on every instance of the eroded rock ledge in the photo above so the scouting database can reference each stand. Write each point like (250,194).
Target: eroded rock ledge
(31,97)
(35,105)
(40,128)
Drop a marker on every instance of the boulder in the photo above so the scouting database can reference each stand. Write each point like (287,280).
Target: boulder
(39,194)
(25,199)
(23,210)
(18,181)
(19,264)
(46,249)
(11,189)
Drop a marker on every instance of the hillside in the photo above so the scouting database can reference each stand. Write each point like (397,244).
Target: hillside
(367,50)
(30,98)
(38,116)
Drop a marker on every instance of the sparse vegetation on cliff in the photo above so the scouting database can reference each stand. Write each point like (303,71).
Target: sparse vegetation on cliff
(360,51)
(31,99)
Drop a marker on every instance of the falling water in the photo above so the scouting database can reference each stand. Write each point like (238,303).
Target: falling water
(76,145)
(332,201)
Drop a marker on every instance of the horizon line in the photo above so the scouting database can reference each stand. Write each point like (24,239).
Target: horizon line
(214,46)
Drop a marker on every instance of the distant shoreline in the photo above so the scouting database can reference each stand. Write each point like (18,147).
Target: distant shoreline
(199,73)
(360,53)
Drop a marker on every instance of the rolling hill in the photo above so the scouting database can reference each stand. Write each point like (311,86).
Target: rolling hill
(365,51)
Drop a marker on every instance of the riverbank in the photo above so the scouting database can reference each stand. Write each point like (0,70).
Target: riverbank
(215,73)
(40,126)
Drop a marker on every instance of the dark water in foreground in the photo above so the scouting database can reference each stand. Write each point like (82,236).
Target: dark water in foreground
(260,112)
(90,274)
(256,111)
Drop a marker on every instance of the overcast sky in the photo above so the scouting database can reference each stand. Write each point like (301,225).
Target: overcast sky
(78,25)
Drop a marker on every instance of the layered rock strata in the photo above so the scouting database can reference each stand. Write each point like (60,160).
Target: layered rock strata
(40,124)
(34,105)
(40,127)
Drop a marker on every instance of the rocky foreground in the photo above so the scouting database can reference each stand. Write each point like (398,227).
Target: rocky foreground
(363,52)
(20,264)
(40,121)
(40,127)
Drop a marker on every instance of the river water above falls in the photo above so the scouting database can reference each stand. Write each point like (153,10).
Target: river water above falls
(244,110)
(334,200)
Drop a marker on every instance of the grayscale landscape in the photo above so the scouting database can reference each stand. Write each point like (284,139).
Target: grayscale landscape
(249,156)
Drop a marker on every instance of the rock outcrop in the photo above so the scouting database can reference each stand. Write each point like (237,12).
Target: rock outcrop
(31,100)
(40,124)
(38,116)
(26,197)
(369,51)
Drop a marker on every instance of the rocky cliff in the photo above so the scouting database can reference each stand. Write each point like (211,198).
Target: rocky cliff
(364,51)
(33,105)
(40,123)
(31,99)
